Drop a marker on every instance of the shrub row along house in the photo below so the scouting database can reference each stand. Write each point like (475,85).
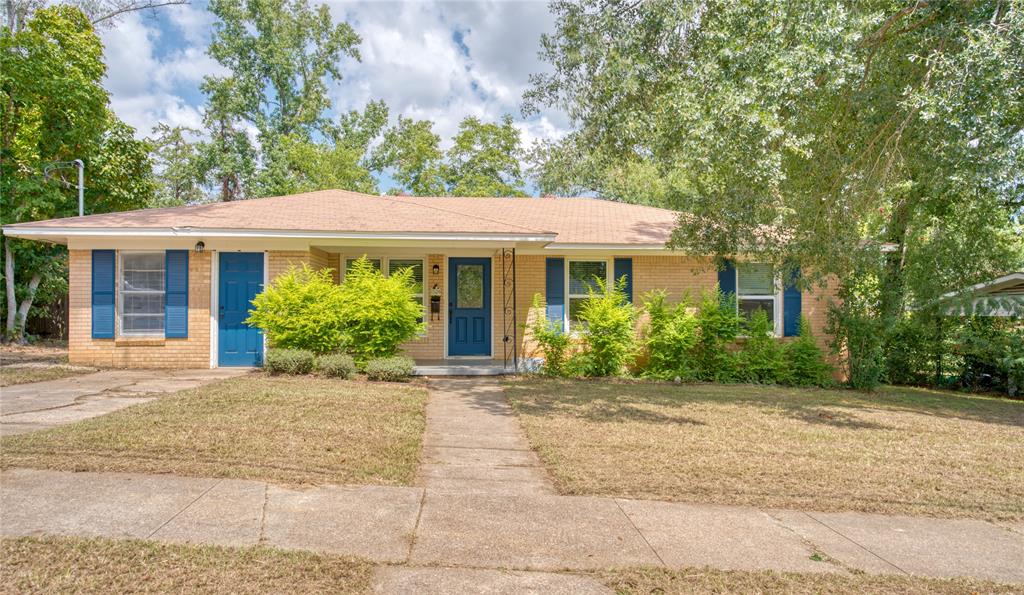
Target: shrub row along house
(172,287)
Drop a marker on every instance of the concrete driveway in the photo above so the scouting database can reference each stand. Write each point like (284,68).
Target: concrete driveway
(41,405)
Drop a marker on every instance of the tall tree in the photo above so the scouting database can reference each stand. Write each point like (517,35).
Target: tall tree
(53,109)
(176,161)
(413,152)
(280,56)
(804,132)
(484,160)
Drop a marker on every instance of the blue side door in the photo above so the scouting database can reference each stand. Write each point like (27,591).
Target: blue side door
(241,278)
(469,306)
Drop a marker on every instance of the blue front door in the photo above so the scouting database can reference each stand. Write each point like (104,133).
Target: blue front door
(469,306)
(241,278)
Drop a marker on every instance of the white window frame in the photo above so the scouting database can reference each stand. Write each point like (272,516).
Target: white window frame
(385,265)
(608,273)
(119,295)
(775,297)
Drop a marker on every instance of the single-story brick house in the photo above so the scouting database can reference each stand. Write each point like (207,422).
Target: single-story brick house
(171,287)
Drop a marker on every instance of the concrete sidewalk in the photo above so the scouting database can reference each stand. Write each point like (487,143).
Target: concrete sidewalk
(42,405)
(421,527)
(473,443)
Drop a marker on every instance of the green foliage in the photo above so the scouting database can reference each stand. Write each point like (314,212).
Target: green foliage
(761,357)
(609,337)
(378,313)
(857,335)
(390,369)
(910,351)
(289,361)
(805,363)
(484,160)
(670,336)
(53,109)
(301,309)
(413,152)
(550,339)
(1012,364)
(337,365)
(176,158)
(989,352)
(718,325)
(803,132)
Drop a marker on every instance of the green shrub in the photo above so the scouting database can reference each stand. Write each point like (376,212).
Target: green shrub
(339,365)
(1012,364)
(300,309)
(552,341)
(988,348)
(909,352)
(858,335)
(718,324)
(378,313)
(760,360)
(289,361)
(805,362)
(390,369)
(608,321)
(669,337)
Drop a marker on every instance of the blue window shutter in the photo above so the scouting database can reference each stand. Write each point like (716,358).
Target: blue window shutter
(554,289)
(624,268)
(727,279)
(176,295)
(791,307)
(103,272)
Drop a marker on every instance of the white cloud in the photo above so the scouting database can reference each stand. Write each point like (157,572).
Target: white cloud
(440,61)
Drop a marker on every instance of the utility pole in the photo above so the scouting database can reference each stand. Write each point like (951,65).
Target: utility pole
(81,179)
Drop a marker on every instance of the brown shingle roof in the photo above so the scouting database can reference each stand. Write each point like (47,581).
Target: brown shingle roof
(574,220)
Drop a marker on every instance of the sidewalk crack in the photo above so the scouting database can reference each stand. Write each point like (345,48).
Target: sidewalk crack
(854,542)
(416,525)
(187,506)
(639,532)
(263,515)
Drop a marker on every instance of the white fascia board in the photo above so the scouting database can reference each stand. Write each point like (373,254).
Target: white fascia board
(177,232)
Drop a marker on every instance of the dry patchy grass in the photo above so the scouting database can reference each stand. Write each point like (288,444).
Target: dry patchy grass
(47,351)
(283,429)
(908,451)
(65,565)
(11,375)
(705,580)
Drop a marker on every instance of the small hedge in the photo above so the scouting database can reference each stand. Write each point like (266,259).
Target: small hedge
(390,369)
(289,361)
(337,365)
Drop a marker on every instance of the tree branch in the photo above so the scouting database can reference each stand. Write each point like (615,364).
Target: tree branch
(134,6)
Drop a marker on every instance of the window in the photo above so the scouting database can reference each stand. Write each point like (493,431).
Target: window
(397,264)
(375,262)
(469,281)
(141,293)
(756,289)
(583,276)
(390,265)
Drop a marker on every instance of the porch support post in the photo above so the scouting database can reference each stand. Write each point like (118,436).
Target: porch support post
(508,307)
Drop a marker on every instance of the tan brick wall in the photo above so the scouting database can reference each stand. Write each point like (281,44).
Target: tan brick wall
(192,352)
(431,345)
(681,276)
(279,261)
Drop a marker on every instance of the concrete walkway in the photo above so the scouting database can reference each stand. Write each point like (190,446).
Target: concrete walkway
(473,443)
(418,527)
(42,405)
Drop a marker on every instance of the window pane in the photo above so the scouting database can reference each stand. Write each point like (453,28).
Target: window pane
(575,306)
(748,307)
(584,275)
(396,264)
(469,283)
(756,279)
(141,300)
(375,262)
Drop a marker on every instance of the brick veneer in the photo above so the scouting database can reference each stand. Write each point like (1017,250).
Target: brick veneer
(157,352)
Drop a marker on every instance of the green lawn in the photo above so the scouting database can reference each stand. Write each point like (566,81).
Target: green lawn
(903,450)
(283,429)
(77,565)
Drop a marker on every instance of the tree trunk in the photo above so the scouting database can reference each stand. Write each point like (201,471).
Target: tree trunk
(26,305)
(892,284)
(12,303)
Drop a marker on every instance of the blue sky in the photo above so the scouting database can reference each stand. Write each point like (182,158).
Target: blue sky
(441,61)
